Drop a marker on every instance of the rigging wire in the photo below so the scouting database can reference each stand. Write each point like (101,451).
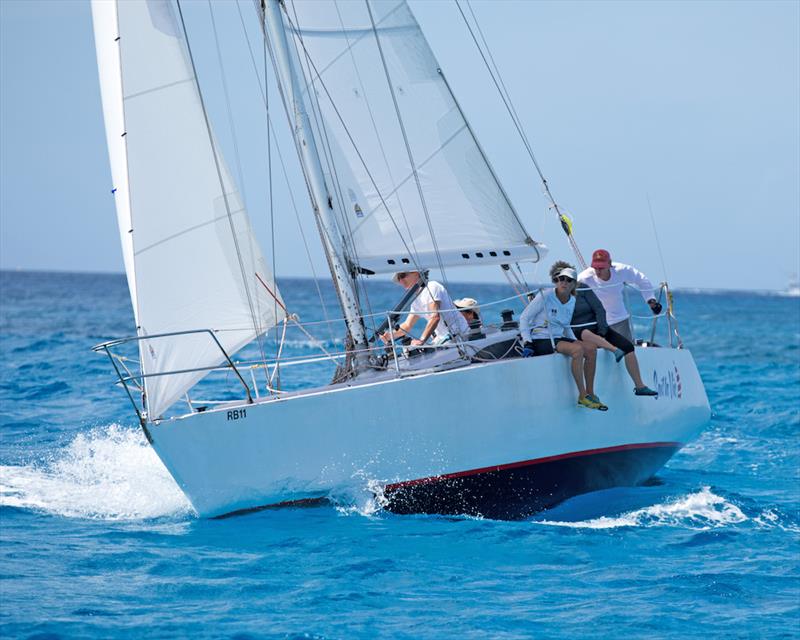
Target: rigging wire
(245,278)
(276,375)
(514,282)
(263,89)
(655,233)
(521,275)
(413,255)
(325,143)
(323,231)
(566,224)
(278,345)
(378,137)
(236,155)
(298,33)
(407,145)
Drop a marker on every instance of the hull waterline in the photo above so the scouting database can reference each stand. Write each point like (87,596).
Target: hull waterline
(501,440)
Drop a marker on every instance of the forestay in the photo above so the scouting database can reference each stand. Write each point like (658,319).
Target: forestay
(190,255)
(413,187)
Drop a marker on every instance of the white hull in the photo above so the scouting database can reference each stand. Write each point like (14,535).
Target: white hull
(422,427)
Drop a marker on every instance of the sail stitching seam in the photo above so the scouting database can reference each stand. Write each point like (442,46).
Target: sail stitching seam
(185,231)
(435,153)
(169,85)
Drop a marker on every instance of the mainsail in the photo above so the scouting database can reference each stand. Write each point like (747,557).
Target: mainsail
(190,255)
(413,186)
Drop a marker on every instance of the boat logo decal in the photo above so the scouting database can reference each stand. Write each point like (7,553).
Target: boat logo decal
(669,384)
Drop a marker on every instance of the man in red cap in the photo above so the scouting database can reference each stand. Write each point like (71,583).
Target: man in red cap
(607,280)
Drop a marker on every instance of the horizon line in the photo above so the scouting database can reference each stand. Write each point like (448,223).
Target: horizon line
(685,288)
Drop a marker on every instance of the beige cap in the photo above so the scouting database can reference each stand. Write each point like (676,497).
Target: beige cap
(396,276)
(464,303)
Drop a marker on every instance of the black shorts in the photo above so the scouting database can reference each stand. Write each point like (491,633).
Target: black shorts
(617,339)
(578,331)
(545,347)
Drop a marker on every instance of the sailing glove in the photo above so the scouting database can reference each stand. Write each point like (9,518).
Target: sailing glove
(656,307)
(527,351)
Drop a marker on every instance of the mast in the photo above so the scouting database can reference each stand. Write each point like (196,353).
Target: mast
(322,200)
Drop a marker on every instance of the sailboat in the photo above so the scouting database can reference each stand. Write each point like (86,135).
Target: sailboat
(397,181)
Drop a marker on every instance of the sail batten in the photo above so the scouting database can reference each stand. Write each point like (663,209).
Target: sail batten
(192,260)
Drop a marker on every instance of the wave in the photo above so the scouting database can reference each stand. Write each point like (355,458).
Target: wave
(364,496)
(701,510)
(110,473)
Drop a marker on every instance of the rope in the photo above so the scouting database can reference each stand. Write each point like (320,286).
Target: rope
(506,98)
(515,284)
(229,113)
(271,206)
(380,146)
(655,233)
(413,254)
(325,143)
(271,133)
(374,184)
(374,124)
(407,144)
(318,75)
(245,279)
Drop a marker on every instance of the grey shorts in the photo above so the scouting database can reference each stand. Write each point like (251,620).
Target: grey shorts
(623,328)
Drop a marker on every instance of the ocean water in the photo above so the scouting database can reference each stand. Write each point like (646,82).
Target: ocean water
(97,541)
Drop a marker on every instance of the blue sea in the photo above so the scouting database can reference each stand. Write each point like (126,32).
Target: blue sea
(97,541)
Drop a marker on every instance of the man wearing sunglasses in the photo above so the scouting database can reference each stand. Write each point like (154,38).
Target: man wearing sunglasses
(443,320)
(607,280)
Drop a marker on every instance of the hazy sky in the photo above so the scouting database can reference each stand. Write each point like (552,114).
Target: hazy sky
(694,104)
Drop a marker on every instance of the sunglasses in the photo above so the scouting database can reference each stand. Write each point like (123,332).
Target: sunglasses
(402,276)
(562,279)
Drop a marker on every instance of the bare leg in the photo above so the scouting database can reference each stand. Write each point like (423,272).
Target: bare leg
(632,365)
(575,351)
(597,341)
(589,365)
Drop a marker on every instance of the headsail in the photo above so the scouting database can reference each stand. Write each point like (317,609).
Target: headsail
(190,255)
(414,187)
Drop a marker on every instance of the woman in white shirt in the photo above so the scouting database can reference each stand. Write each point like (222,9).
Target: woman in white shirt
(545,326)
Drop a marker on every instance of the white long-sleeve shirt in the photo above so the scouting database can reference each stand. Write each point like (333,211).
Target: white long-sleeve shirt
(610,291)
(546,316)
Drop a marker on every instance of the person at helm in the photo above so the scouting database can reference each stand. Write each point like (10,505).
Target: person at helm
(443,321)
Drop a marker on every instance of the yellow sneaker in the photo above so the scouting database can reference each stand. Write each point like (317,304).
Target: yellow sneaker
(594,398)
(586,401)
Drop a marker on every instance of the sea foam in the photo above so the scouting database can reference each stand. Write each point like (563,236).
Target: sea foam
(700,510)
(109,473)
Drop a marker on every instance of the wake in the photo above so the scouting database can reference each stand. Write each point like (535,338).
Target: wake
(700,511)
(109,473)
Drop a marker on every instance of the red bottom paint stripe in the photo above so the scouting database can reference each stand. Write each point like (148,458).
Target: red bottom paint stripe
(527,463)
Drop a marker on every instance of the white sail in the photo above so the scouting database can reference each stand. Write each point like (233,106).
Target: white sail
(414,187)
(191,258)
